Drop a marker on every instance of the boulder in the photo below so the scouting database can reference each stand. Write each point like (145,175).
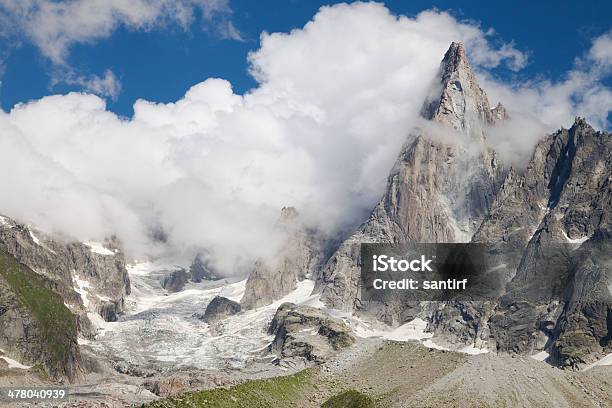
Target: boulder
(175,281)
(220,308)
(308,334)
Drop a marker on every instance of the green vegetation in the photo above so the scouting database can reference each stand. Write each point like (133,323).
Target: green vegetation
(577,343)
(349,399)
(283,391)
(57,323)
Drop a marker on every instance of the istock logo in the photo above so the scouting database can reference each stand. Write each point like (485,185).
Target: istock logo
(383,263)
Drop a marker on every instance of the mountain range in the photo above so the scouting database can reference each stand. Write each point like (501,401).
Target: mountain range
(447,185)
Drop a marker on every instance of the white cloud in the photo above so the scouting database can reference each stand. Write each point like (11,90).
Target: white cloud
(53,26)
(541,106)
(601,52)
(107,85)
(334,103)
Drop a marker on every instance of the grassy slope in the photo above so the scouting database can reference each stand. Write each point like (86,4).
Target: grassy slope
(349,399)
(45,306)
(275,392)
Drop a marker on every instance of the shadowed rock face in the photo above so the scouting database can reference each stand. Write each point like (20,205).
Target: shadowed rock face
(437,191)
(47,297)
(201,269)
(88,279)
(175,281)
(297,259)
(219,308)
(564,196)
(303,332)
(36,328)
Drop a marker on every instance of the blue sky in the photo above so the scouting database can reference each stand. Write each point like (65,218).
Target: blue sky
(161,63)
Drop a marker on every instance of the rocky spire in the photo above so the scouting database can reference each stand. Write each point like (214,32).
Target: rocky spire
(458,100)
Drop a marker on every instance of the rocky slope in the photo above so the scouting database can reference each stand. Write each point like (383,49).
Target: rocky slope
(392,374)
(448,186)
(51,291)
(298,257)
(90,277)
(565,196)
(551,224)
(36,328)
(439,189)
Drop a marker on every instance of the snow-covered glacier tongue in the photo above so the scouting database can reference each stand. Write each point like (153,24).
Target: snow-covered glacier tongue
(162,331)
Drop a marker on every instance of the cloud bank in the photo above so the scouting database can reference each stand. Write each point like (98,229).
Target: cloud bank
(334,103)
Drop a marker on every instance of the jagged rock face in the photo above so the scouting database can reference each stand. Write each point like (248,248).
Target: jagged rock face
(563,197)
(88,278)
(574,202)
(36,328)
(297,259)
(461,103)
(438,190)
(175,281)
(201,269)
(303,332)
(219,308)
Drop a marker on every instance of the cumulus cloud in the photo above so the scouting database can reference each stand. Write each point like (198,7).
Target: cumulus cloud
(334,103)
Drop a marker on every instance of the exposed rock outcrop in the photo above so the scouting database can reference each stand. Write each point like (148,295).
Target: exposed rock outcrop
(220,308)
(439,189)
(297,259)
(448,186)
(90,277)
(308,334)
(202,269)
(175,281)
(559,211)
(36,328)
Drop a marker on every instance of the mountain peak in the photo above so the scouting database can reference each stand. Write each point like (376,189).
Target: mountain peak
(455,58)
(457,99)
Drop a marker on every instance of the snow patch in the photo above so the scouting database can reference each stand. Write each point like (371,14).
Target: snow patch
(498,267)
(234,292)
(81,287)
(471,350)
(14,363)
(606,361)
(37,241)
(578,241)
(4,221)
(541,356)
(414,330)
(431,344)
(98,248)
(34,238)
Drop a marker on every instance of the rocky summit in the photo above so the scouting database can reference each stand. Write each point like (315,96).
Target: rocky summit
(447,185)
(439,189)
